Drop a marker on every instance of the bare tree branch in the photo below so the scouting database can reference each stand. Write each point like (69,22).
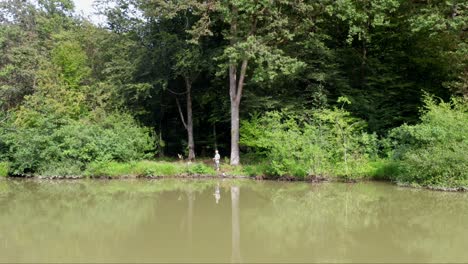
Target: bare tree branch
(180,112)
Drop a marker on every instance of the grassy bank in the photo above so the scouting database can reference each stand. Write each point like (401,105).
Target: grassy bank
(133,169)
(369,170)
(147,169)
(383,169)
(165,168)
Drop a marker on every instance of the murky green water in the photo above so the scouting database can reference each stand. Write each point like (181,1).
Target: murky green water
(228,221)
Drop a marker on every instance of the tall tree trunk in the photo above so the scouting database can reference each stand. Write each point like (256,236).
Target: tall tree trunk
(191,143)
(189,124)
(235,86)
(161,143)
(235,92)
(235,158)
(233,89)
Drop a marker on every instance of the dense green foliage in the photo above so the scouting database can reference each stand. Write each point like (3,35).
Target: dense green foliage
(433,153)
(321,88)
(330,142)
(324,142)
(61,119)
(72,145)
(4,169)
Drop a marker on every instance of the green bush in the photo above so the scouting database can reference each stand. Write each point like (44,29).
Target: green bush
(434,152)
(383,169)
(310,144)
(201,169)
(49,149)
(439,166)
(256,169)
(61,127)
(4,169)
(110,169)
(64,168)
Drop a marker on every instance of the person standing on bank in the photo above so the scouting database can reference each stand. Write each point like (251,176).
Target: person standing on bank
(216,159)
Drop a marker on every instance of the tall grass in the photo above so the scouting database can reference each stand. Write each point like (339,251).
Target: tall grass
(146,168)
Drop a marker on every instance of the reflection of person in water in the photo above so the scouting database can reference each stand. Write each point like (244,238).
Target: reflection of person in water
(217,193)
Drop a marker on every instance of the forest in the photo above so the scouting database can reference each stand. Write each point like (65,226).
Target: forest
(284,89)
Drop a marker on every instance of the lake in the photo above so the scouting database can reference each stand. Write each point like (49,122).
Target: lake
(176,220)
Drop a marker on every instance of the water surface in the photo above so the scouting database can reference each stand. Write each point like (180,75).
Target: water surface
(228,221)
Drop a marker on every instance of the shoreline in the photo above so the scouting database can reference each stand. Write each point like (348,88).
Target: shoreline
(313,180)
(203,169)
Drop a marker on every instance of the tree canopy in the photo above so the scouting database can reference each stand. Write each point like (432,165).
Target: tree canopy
(185,74)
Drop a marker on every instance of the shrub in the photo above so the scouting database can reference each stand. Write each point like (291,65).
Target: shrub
(114,137)
(439,165)
(59,129)
(4,169)
(433,152)
(49,149)
(64,168)
(309,144)
(383,169)
(255,169)
(201,169)
(110,169)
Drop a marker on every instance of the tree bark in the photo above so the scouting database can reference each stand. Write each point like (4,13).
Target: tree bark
(189,124)
(235,158)
(191,143)
(233,92)
(161,144)
(236,86)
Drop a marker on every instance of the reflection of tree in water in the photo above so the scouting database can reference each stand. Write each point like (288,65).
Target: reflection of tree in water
(431,224)
(358,222)
(325,222)
(66,217)
(236,253)
(85,216)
